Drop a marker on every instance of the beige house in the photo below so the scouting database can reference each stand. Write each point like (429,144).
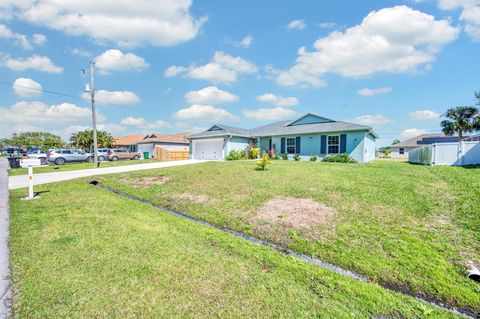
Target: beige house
(401,149)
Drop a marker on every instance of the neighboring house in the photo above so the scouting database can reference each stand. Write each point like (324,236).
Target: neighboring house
(128,141)
(307,135)
(171,142)
(401,149)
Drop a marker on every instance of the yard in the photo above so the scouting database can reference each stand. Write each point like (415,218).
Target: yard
(100,255)
(51,168)
(413,228)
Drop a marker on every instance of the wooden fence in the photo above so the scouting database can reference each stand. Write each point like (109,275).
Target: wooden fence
(164,155)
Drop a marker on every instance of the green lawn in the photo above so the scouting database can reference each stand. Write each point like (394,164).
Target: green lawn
(82,252)
(74,166)
(406,226)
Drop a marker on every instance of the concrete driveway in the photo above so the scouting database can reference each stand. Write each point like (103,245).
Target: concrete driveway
(20,181)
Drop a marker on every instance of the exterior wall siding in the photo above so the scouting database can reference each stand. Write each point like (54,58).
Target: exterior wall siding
(236,143)
(395,151)
(310,144)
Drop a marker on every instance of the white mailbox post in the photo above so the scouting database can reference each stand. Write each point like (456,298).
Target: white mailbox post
(30,163)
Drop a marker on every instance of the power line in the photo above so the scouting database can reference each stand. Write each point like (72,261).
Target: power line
(44,91)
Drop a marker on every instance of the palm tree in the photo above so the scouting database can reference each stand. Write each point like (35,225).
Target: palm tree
(84,139)
(461,119)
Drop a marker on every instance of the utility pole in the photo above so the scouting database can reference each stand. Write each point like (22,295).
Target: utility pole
(94,114)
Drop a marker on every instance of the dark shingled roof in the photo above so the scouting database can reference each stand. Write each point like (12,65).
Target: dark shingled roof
(282,128)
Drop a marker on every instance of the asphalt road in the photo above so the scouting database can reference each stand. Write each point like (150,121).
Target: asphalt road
(21,181)
(5,293)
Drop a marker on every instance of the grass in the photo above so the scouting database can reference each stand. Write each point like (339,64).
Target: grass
(101,255)
(75,166)
(411,227)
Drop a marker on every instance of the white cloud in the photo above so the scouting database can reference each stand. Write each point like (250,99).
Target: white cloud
(111,128)
(247,41)
(81,52)
(125,23)
(223,68)
(391,40)
(20,39)
(35,62)
(298,24)
(114,97)
(39,38)
(372,92)
(25,87)
(327,25)
(424,115)
(409,133)
(143,124)
(210,95)
(470,14)
(278,100)
(115,60)
(373,120)
(205,113)
(268,114)
(37,112)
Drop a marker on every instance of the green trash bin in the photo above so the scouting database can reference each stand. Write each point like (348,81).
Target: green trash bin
(146,155)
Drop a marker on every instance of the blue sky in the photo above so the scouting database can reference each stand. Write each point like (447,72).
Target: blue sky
(171,66)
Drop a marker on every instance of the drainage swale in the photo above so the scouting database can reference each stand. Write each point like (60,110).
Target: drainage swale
(281,249)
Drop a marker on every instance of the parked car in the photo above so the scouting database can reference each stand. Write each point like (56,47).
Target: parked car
(114,154)
(39,154)
(102,154)
(62,156)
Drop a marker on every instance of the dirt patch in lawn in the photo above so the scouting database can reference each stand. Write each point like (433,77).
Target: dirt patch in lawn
(146,182)
(191,198)
(280,217)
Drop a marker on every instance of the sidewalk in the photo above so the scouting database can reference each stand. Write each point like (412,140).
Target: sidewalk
(21,181)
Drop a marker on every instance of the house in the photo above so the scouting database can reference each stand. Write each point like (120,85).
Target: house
(401,149)
(171,142)
(307,135)
(128,141)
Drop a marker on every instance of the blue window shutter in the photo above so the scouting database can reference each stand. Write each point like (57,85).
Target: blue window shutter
(297,145)
(323,144)
(282,146)
(343,143)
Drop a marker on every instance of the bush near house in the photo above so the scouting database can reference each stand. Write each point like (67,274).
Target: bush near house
(297,157)
(235,155)
(339,158)
(285,157)
(313,158)
(253,152)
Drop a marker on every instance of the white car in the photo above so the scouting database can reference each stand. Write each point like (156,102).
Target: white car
(38,154)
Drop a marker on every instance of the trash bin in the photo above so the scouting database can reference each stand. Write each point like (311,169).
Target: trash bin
(14,162)
(146,155)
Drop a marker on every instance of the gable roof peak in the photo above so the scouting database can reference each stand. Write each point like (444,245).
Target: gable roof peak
(312,115)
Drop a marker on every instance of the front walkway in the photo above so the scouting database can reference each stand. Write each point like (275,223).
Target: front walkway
(4,251)
(20,181)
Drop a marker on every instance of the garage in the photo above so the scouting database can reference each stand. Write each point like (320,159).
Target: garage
(209,149)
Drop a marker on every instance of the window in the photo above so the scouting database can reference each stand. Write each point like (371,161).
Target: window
(291,145)
(333,144)
(401,151)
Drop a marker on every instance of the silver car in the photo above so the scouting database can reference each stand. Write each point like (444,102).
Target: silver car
(62,156)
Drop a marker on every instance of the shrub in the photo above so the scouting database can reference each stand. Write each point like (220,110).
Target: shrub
(285,157)
(339,158)
(296,157)
(387,152)
(276,157)
(253,152)
(263,162)
(235,155)
(313,158)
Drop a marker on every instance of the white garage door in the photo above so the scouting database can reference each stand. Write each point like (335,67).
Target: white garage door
(208,149)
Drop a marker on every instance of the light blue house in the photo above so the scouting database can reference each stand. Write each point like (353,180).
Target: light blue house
(307,135)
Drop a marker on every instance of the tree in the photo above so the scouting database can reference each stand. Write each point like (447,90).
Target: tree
(396,142)
(477,97)
(462,119)
(84,139)
(42,140)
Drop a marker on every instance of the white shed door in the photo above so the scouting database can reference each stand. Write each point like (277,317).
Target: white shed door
(208,149)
